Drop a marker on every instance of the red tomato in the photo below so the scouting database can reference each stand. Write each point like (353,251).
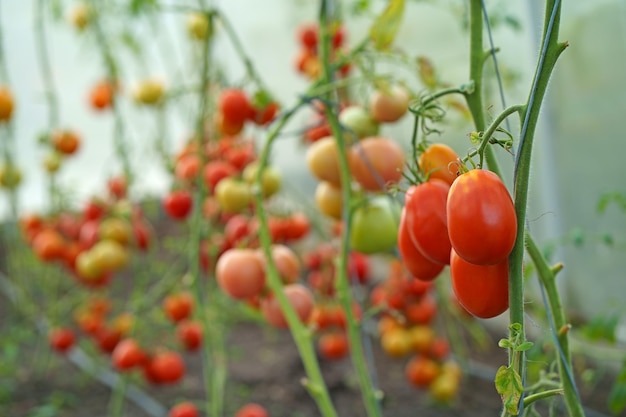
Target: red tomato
(437,161)
(215,171)
(61,339)
(187,167)
(235,106)
(483,290)
(178,306)
(252,410)
(48,245)
(482,224)
(127,355)
(142,233)
(240,273)
(166,367)
(299,226)
(66,142)
(264,115)
(102,95)
(108,338)
(190,334)
(358,267)
(422,311)
(414,260)
(236,229)
(422,371)
(307,35)
(184,409)
(117,187)
(333,346)
(425,206)
(93,210)
(376,162)
(286,262)
(178,204)
(300,299)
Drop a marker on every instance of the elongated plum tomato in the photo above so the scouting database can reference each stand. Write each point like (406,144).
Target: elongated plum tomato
(414,260)
(240,273)
(374,225)
(425,206)
(437,162)
(483,290)
(376,162)
(482,224)
(300,298)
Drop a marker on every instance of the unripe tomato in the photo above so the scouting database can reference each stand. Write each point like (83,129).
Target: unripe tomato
(425,206)
(10,176)
(300,298)
(252,410)
(271,178)
(109,255)
(389,105)
(116,229)
(374,225)
(376,162)
(233,195)
(322,158)
(178,204)
(6,103)
(79,16)
(328,199)
(444,388)
(413,259)
(422,337)
(482,223)
(198,26)
(358,122)
(437,162)
(396,342)
(52,162)
(149,91)
(240,273)
(483,290)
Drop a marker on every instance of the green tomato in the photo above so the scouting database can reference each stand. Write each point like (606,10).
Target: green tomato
(358,121)
(374,226)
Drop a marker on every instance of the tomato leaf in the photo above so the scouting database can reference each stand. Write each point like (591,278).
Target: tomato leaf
(524,346)
(509,386)
(617,397)
(386,25)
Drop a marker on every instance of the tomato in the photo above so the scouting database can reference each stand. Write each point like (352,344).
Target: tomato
(228,127)
(241,154)
(178,306)
(333,346)
(426,220)
(88,322)
(252,410)
(61,339)
(265,114)
(422,337)
(116,229)
(374,225)
(299,226)
(108,256)
(198,26)
(300,299)
(235,106)
(307,35)
(187,167)
(166,367)
(437,161)
(6,103)
(396,342)
(117,186)
(178,204)
(107,338)
(89,234)
(483,290)
(413,259)
(190,334)
(142,233)
(102,95)
(123,322)
(328,199)
(236,229)
(358,122)
(444,388)
(80,16)
(184,409)
(215,171)
(286,262)
(482,224)
(127,355)
(358,267)
(322,158)
(149,91)
(48,245)
(439,349)
(66,142)
(422,311)
(318,131)
(376,162)
(233,195)
(421,371)
(389,105)
(240,273)
(271,178)
(93,210)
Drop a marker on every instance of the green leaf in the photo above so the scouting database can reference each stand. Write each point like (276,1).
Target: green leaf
(524,346)
(386,25)
(509,386)
(617,398)
(505,343)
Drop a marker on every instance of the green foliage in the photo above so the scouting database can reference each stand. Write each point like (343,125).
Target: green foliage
(608,199)
(386,25)
(601,328)
(509,386)
(617,396)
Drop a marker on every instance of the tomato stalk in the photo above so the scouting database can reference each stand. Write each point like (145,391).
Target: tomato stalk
(371,395)
(301,334)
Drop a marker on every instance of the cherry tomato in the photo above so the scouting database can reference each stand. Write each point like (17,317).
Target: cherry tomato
(333,345)
(184,409)
(482,224)
(421,371)
(483,290)
(215,171)
(127,355)
(328,199)
(233,195)
(178,204)
(190,334)
(235,106)
(166,367)
(178,306)
(6,103)
(252,410)
(61,339)
(307,35)
(66,142)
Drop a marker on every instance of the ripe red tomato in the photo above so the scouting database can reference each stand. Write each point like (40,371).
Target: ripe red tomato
(117,186)
(107,338)
(437,162)
(264,115)
(300,299)
(127,355)
(184,409)
(307,35)
(252,410)
(422,371)
(483,290)
(236,229)
(178,306)
(48,245)
(299,226)
(102,95)
(187,167)
(166,367)
(286,262)
(414,260)
(235,106)
(376,162)
(425,206)
(61,339)
(65,141)
(190,334)
(333,346)
(422,311)
(240,273)
(482,224)
(215,171)
(358,267)
(178,204)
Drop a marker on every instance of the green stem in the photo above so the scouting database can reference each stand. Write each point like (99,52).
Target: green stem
(518,108)
(342,283)
(547,276)
(301,334)
(116,402)
(541,395)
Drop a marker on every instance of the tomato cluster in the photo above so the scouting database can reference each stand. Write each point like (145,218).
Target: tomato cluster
(307,60)
(235,108)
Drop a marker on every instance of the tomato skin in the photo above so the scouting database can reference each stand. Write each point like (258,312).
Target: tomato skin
(414,260)
(300,299)
(166,367)
(482,224)
(178,204)
(333,346)
(65,141)
(376,162)
(328,199)
(252,410)
(235,106)
(426,219)
(436,161)
(190,334)
(240,273)
(127,355)
(61,339)
(6,103)
(322,158)
(184,409)
(483,290)
(178,306)
(215,171)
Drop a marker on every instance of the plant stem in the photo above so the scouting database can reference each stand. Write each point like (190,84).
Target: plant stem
(342,283)
(541,395)
(548,280)
(518,108)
